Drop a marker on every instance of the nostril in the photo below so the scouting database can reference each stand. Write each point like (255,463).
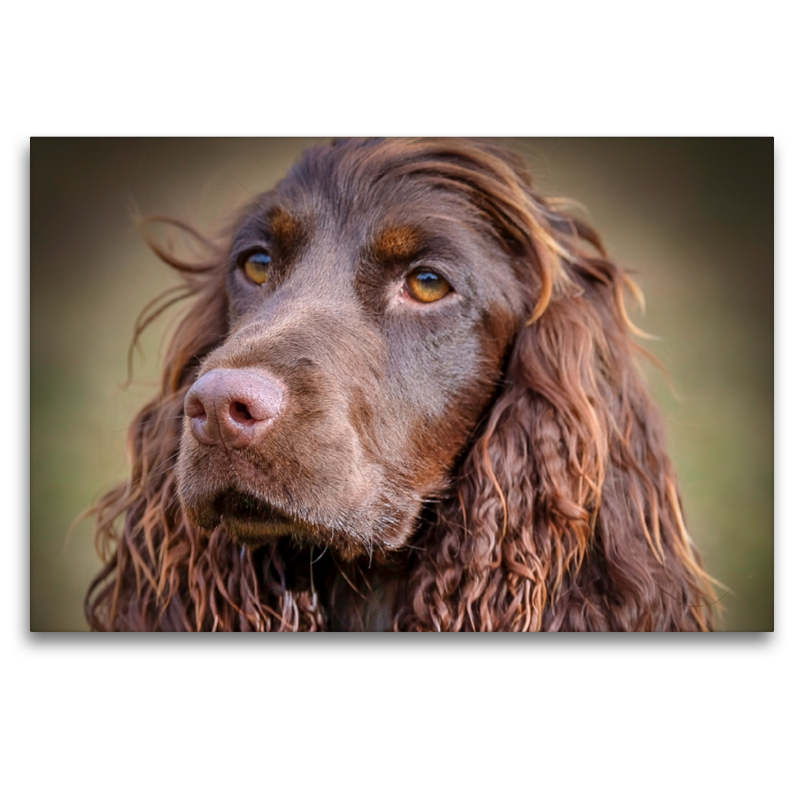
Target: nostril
(240,413)
(194,408)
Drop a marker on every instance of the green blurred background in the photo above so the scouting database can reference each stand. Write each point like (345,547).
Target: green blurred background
(693,218)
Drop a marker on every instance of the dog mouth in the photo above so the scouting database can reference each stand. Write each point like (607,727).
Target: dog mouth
(249,520)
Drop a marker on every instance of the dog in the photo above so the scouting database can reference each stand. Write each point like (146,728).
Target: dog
(406,397)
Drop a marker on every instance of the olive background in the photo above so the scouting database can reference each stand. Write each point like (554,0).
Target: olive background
(692,218)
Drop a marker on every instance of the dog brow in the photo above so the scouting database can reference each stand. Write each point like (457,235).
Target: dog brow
(285,227)
(398,243)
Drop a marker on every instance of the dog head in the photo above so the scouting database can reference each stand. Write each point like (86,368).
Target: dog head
(372,299)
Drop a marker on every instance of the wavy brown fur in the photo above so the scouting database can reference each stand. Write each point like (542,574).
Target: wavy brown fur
(561,509)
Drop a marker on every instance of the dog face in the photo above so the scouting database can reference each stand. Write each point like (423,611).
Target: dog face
(371,307)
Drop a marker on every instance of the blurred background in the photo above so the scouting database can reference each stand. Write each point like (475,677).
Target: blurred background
(692,218)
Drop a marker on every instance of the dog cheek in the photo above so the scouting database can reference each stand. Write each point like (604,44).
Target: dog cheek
(460,391)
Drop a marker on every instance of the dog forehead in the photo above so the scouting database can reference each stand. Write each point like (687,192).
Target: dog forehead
(363,187)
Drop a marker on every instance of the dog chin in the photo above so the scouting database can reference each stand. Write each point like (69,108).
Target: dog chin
(251,522)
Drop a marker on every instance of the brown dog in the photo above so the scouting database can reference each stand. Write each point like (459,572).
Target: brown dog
(405,399)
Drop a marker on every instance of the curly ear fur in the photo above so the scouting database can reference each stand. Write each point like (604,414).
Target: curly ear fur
(161,574)
(567,515)
(563,513)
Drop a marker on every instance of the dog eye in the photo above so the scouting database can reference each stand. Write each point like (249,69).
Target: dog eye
(427,286)
(256,267)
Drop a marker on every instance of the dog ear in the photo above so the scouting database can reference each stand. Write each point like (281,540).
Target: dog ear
(133,590)
(565,514)
(160,572)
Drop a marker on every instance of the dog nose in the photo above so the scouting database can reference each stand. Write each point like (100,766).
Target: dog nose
(233,407)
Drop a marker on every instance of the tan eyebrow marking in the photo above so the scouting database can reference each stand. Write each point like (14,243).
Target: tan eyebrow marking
(399,243)
(285,228)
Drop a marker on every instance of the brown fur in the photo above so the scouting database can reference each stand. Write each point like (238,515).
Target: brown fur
(490,461)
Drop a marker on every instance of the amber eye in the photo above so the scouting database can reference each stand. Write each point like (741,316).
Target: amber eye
(256,267)
(427,286)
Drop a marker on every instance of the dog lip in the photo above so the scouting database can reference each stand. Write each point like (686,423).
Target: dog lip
(240,505)
(250,520)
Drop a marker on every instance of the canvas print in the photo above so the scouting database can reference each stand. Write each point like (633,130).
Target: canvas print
(401,384)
